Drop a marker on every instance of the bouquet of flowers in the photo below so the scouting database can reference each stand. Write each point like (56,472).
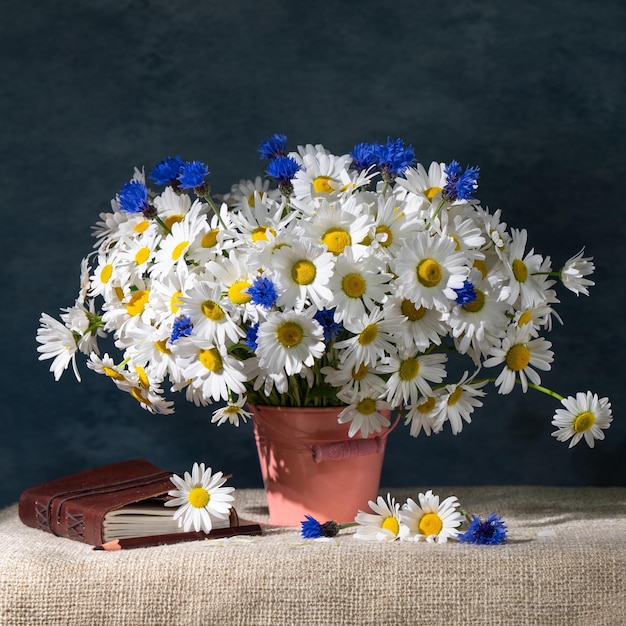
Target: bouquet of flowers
(352,280)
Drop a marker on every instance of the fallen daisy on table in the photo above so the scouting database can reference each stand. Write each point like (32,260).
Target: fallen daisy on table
(201,498)
(428,520)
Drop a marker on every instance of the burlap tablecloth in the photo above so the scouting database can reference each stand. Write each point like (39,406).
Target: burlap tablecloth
(564,563)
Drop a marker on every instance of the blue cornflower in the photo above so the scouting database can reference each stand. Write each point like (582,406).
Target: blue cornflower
(252,332)
(182,328)
(326,318)
(491,531)
(394,158)
(466,293)
(263,292)
(364,155)
(312,529)
(133,197)
(166,172)
(192,174)
(282,169)
(273,147)
(460,185)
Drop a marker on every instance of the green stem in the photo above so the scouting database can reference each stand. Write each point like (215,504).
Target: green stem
(163,225)
(436,213)
(545,390)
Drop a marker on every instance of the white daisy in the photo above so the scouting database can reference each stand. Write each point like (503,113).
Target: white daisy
(218,238)
(201,498)
(321,174)
(457,402)
(480,324)
(352,380)
(411,373)
(357,285)
(172,206)
(430,520)
(232,412)
(428,185)
(574,272)
(372,339)
(174,246)
(364,414)
(302,273)
(214,318)
(520,355)
(242,193)
(586,416)
(288,342)
(339,226)
(57,343)
(527,273)
(392,226)
(421,326)
(429,269)
(422,416)
(381,525)
(210,368)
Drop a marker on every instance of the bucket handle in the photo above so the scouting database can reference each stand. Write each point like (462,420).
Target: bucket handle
(338,450)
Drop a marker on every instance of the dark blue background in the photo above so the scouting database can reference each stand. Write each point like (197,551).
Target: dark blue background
(531,92)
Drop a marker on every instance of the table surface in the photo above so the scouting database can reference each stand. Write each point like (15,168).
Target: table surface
(564,563)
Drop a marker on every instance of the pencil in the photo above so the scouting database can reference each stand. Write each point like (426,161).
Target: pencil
(162,540)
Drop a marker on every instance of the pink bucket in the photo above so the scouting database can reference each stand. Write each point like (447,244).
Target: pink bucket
(311,467)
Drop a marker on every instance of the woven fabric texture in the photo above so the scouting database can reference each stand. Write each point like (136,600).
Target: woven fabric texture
(564,563)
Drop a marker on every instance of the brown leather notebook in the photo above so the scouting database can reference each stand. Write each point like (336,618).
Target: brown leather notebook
(114,501)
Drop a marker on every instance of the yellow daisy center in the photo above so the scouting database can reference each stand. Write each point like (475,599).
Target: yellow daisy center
(142,255)
(520,271)
(361,373)
(477,303)
(170,220)
(583,421)
(367,406)
(429,272)
(161,346)
(211,359)
(289,334)
(321,184)
(141,227)
(213,311)
(368,335)
(143,377)
(481,266)
(524,318)
(457,243)
(391,523)
(409,369)
(113,373)
(303,272)
(430,524)
(210,239)
(260,233)
(336,240)
(414,313)
(455,396)
(353,285)
(431,192)
(179,250)
(198,497)
(231,409)
(105,273)
(385,230)
(175,301)
(236,292)
(137,393)
(251,198)
(119,292)
(137,302)
(428,406)
(518,357)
